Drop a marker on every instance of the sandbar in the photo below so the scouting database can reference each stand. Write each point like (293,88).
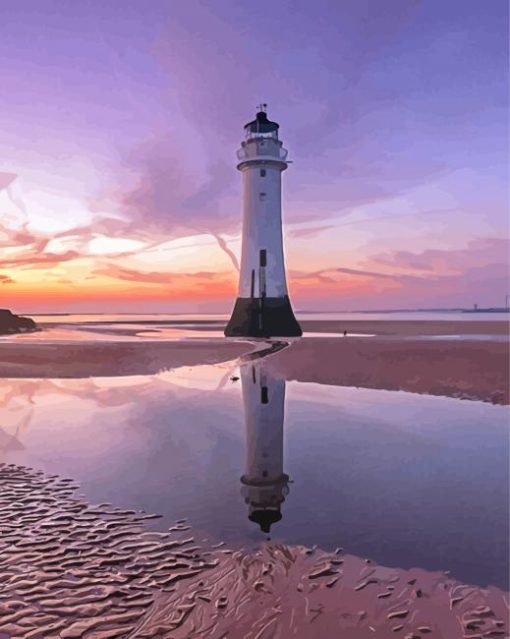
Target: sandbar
(463,369)
(394,355)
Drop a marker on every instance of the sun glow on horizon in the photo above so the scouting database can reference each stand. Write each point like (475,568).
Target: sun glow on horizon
(118,184)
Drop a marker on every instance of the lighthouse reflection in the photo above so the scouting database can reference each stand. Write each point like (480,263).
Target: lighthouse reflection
(264,484)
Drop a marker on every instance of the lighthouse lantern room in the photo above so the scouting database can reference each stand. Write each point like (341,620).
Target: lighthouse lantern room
(262,308)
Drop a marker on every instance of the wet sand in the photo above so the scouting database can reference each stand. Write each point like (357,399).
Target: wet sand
(111,359)
(467,369)
(369,327)
(463,369)
(409,327)
(70,569)
(376,327)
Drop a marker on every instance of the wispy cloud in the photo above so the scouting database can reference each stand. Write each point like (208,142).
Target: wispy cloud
(310,231)
(163,278)
(477,273)
(365,273)
(327,274)
(6,179)
(478,252)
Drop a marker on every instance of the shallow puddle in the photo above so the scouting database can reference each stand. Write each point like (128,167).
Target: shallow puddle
(405,480)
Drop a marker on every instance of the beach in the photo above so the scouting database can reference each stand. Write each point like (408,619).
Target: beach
(107,359)
(468,360)
(71,569)
(406,327)
(255,351)
(124,511)
(463,369)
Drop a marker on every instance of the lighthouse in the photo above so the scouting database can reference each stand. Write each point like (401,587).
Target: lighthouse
(264,484)
(263,307)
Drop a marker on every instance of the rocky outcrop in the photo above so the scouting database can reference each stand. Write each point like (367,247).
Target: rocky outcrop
(10,323)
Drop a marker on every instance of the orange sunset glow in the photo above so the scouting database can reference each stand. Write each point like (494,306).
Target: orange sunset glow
(118,181)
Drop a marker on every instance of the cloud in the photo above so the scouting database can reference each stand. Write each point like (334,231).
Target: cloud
(34,260)
(164,278)
(18,216)
(341,120)
(478,252)
(179,178)
(365,273)
(224,247)
(162,190)
(5,279)
(476,273)
(309,231)
(326,274)
(368,109)
(30,249)
(6,179)
(133,275)
(161,185)
(21,237)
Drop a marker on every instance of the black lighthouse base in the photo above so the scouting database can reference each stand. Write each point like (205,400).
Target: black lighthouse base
(263,317)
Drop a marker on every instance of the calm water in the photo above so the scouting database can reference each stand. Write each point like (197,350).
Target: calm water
(174,327)
(224,317)
(406,480)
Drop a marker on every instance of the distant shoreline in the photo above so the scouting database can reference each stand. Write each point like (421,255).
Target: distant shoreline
(298,312)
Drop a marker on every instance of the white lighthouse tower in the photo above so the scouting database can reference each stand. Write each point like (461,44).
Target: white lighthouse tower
(263,307)
(265,485)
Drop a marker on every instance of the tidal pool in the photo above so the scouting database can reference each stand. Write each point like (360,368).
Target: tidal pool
(405,480)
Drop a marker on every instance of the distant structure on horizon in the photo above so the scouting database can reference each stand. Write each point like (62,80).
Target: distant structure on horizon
(263,307)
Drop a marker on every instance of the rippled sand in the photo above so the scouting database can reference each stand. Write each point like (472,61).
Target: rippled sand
(70,569)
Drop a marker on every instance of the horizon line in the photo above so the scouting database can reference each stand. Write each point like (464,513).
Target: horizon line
(302,311)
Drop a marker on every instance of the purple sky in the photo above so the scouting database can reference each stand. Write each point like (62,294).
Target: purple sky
(121,122)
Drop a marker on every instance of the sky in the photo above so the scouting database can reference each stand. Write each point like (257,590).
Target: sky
(119,125)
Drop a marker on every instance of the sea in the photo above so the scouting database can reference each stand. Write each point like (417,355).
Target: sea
(306,316)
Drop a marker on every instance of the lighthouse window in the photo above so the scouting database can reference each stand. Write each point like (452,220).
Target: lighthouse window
(264,398)
(262,196)
(262,172)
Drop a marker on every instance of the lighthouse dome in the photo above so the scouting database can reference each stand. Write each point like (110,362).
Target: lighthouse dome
(265,518)
(261,126)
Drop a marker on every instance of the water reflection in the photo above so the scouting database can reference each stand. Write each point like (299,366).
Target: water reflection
(10,442)
(265,485)
(405,480)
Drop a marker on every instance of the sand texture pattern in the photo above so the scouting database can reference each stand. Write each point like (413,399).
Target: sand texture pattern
(70,570)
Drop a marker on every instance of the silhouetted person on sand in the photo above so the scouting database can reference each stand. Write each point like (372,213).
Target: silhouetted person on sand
(345,333)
